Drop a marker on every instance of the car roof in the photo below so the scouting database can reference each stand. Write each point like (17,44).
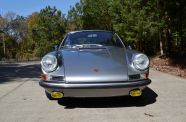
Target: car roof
(72,32)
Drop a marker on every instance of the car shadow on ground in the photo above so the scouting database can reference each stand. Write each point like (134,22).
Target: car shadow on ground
(10,72)
(148,97)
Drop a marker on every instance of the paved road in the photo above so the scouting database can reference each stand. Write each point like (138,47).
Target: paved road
(23,100)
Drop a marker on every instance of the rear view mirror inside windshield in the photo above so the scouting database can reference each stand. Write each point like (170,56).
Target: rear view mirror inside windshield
(92,35)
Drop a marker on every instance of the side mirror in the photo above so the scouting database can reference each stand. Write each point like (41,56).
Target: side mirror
(56,47)
(129,47)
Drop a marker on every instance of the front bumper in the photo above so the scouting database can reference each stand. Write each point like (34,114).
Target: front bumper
(95,89)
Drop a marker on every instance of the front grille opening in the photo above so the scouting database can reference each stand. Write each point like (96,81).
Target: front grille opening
(57,78)
(134,77)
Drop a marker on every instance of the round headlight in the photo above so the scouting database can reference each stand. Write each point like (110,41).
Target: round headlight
(141,62)
(49,63)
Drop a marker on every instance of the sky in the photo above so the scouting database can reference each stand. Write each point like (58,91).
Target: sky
(27,7)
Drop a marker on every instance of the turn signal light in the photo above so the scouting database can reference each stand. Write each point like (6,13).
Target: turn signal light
(146,75)
(43,77)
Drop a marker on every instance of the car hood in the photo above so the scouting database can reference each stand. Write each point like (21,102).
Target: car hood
(95,65)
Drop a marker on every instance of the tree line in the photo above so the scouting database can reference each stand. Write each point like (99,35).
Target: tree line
(153,27)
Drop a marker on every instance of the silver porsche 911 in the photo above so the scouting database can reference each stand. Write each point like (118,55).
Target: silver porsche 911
(93,63)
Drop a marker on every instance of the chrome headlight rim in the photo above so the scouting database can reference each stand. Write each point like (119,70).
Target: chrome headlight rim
(137,60)
(49,60)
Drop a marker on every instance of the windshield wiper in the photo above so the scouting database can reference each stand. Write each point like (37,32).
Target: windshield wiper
(84,46)
(74,46)
(92,45)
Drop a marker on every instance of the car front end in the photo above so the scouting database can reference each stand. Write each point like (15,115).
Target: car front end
(91,70)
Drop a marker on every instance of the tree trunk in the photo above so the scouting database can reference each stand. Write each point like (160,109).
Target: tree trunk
(161,48)
(161,45)
(180,26)
(4,46)
(169,41)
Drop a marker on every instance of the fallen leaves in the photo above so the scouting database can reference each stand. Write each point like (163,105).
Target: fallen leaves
(167,65)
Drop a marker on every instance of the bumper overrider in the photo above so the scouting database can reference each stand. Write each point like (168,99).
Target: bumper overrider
(94,89)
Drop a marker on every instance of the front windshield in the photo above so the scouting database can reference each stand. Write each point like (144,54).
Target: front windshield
(100,38)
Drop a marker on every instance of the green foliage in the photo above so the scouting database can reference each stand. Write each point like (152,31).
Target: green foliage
(34,35)
(74,18)
(136,21)
(152,26)
(96,14)
(144,23)
(48,30)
